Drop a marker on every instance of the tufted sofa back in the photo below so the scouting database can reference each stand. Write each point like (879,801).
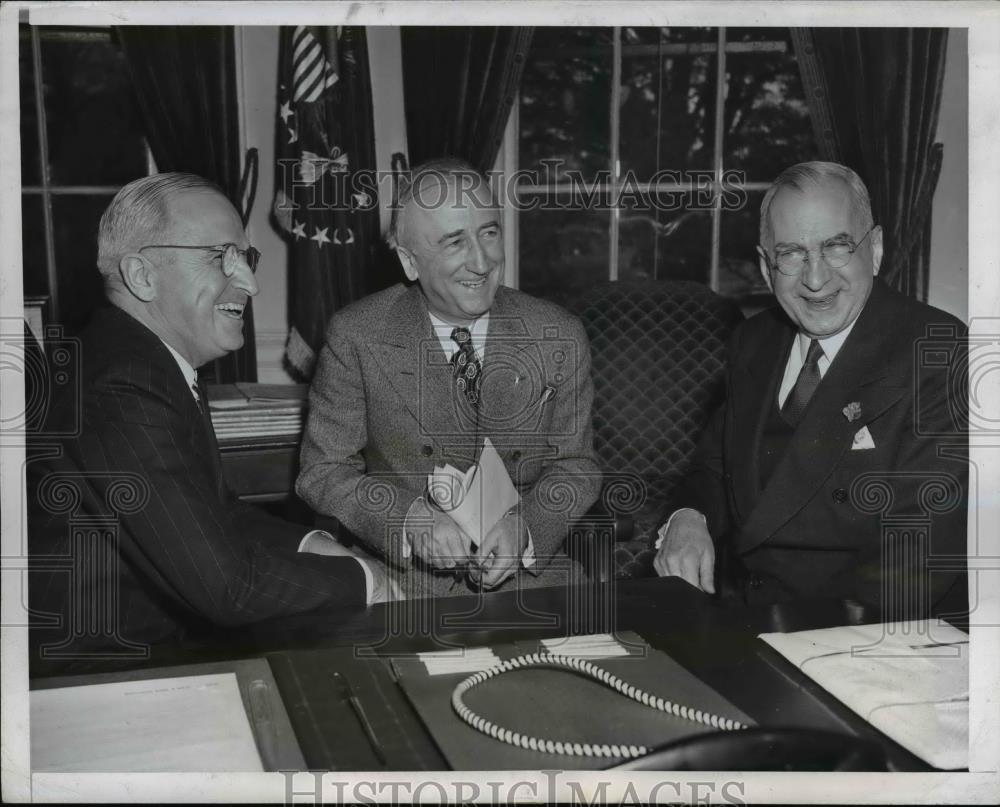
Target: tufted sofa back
(658,360)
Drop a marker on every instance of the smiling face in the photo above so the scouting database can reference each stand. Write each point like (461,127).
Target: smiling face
(451,242)
(200,295)
(821,301)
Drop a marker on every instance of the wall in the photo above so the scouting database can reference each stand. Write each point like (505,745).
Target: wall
(949,271)
(257,59)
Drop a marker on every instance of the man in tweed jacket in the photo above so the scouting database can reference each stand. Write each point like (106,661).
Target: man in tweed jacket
(385,407)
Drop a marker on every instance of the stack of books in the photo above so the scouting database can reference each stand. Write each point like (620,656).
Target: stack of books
(242,411)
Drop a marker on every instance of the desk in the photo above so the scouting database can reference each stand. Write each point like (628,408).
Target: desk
(715,640)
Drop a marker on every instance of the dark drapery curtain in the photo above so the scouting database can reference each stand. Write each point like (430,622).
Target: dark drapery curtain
(326,202)
(459,85)
(185,82)
(874,96)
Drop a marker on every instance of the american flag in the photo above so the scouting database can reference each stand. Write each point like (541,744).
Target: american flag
(324,134)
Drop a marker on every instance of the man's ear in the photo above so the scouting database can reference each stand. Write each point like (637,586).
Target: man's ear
(765,270)
(409,263)
(876,238)
(138,277)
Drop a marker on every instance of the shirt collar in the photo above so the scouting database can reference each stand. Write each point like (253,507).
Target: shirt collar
(478,330)
(190,374)
(831,344)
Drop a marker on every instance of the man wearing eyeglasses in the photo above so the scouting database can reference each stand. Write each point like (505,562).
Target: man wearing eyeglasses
(186,555)
(835,467)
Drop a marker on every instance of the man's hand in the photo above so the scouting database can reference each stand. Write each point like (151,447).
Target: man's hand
(687,551)
(499,556)
(441,542)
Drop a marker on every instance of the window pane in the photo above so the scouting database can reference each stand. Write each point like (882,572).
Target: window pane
(29,114)
(565,95)
(562,252)
(34,273)
(667,100)
(662,244)
(767,125)
(75,220)
(95,132)
(739,266)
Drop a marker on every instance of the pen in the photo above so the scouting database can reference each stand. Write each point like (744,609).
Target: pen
(260,714)
(359,712)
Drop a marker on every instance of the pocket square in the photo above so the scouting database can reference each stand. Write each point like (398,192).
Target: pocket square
(863,440)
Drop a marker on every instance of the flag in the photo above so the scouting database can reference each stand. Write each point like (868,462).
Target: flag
(326,202)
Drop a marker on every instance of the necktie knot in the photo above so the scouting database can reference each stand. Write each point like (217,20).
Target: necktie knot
(466,366)
(815,352)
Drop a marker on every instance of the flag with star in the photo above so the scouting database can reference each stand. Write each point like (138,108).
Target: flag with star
(326,202)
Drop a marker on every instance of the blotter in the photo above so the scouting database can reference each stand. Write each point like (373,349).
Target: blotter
(559,705)
(910,680)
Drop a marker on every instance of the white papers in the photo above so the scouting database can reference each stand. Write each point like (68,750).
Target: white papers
(461,660)
(478,498)
(192,723)
(908,679)
(594,645)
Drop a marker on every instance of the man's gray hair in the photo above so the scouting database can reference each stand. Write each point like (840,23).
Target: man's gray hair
(815,172)
(139,215)
(446,169)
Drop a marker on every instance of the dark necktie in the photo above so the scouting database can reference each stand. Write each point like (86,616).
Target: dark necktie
(466,366)
(805,385)
(197,398)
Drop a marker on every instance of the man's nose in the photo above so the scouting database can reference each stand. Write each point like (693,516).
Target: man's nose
(242,276)
(480,263)
(815,273)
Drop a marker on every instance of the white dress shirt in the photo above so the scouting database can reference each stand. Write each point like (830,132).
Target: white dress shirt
(314,541)
(831,346)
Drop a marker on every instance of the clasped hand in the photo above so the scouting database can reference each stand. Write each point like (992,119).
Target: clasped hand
(445,546)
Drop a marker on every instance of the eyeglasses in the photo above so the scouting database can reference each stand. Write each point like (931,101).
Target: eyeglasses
(836,254)
(250,255)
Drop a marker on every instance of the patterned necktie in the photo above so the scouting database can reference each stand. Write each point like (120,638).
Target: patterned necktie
(466,366)
(197,398)
(805,385)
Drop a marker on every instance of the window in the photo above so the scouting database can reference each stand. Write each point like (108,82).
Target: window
(645,153)
(81,140)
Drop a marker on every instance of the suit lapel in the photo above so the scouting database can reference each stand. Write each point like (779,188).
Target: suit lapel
(859,374)
(413,363)
(755,386)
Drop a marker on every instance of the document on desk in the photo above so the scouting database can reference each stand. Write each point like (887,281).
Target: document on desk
(477,498)
(192,723)
(910,680)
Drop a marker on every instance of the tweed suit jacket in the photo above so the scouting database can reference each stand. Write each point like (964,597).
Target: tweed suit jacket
(383,412)
(178,553)
(832,520)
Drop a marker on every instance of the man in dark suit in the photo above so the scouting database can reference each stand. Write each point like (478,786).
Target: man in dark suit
(417,376)
(836,466)
(134,538)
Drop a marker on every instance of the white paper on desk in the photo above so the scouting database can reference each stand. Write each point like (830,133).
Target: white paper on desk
(191,723)
(477,498)
(908,679)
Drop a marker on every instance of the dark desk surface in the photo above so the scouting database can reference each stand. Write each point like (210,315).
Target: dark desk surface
(715,640)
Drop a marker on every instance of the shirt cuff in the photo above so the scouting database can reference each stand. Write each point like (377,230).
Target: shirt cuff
(662,532)
(528,558)
(313,542)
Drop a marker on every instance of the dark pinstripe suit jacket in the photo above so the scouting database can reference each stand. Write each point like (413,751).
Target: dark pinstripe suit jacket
(133,536)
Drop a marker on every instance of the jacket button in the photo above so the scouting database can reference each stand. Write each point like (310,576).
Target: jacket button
(515,456)
(840,495)
(755,581)
(427,450)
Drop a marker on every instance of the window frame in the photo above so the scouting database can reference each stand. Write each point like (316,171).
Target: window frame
(507,160)
(47,189)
